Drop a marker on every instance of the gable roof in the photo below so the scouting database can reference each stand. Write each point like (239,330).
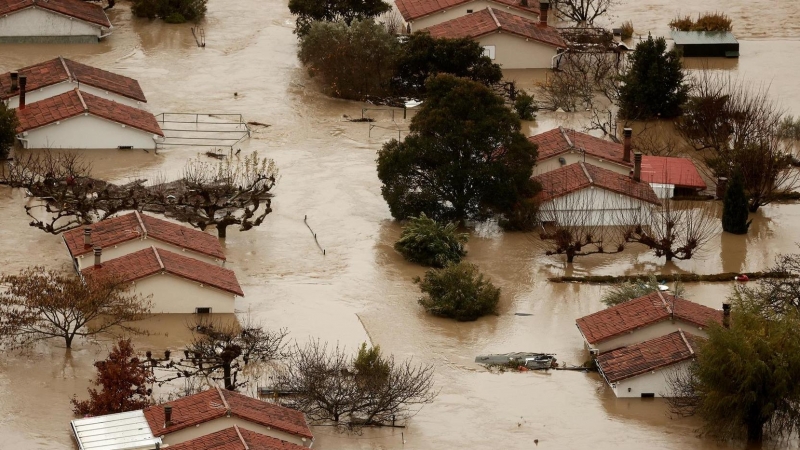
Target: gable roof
(492,20)
(215,403)
(235,438)
(79,9)
(642,312)
(575,177)
(415,9)
(633,360)
(117,230)
(60,69)
(151,261)
(562,140)
(671,170)
(74,103)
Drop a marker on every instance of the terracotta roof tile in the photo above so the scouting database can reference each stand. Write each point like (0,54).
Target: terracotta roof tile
(123,228)
(641,312)
(235,438)
(79,9)
(208,405)
(562,140)
(414,9)
(143,263)
(69,104)
(574,177)
(680,172)
(38,76)
(490,20)
(633,360)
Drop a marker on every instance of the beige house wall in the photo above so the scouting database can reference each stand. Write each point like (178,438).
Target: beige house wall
(461,10)
(595,206)
(659,329)
(174,294)
(41,22)
(134,245)
(515,52)
(552,163)
(227,422)
(656,382)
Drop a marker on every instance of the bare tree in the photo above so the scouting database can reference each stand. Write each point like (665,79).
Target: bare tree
(41,304)
(780,294)
(582,12)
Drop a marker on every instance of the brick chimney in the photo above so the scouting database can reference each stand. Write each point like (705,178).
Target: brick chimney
(544,5)
(23,80)
(14,81)
(726,315)
(167,416)
(98,256)
(626,144)
(637,166)
(87,236)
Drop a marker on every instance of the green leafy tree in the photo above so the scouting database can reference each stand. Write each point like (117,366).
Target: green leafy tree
(459,291)
(464,159)
(352,62)
(653,87)
(172,11)
(525,106)
(735,207)
(370,363)
(8,129)
(423,56)
(344,11)
(430,243)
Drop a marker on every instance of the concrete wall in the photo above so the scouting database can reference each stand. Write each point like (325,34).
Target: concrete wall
(650,332)
(174,294)
(227,422)
(550,164)
(655,382)
(66,86)
(514,52)
(594,206)
(461,10)
(87,131)
(38,22)
(135,245)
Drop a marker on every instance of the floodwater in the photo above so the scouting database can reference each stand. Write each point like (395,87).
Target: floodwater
(361,289)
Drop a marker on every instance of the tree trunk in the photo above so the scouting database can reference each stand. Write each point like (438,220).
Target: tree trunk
(753,207)
(68,341)
(570,257)
(226,377)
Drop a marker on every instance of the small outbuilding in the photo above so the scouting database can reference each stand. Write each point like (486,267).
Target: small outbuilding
(671,176)
(52,21)
(122,431)
(706,44)
(644,369)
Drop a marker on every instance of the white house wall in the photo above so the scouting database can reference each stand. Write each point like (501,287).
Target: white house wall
(87,131)
(659,329)
(40,22)
(128,247)
(66,86)
(461,10)
(550,164)
(514,52)
(593,206)
(172,294)
(222,423)
(656,382)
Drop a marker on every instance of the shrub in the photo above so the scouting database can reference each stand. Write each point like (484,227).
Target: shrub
(706,22)
(682,23)
(8,129)
(430,243)
(175,18)
(172,11)
(459,292)
(627,30)
(525,106)
(629,290)
(789,128)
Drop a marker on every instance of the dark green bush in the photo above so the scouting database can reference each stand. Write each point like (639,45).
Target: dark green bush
(430,243)
(459,291)
(525,106)
(171,11)
(175,18)
(523,217)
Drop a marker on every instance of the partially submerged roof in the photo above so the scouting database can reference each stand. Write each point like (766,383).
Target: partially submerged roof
(628,362)
(415,9)
(216,403)
(575,177)
(128,227)
(74,103)
(679,172)
(122,431)
(642,312)
(60,69)
(563,140)
(491,20)
(150,261)
(703,37)
(236,438)
(78,9)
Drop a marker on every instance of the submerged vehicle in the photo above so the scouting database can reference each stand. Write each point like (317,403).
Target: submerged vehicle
(532,361)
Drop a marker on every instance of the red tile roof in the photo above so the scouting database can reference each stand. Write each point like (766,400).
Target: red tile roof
(75,102)
(680,172)
(59,69)
(562,140)
(633,360)
(642,312)
(492,20)
(215,403)
(79,9)
(575,177)
(236,438)
(131,226)
(151,261)
(414,9)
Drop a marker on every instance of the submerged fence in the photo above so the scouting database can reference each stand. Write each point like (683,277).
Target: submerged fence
(202,130)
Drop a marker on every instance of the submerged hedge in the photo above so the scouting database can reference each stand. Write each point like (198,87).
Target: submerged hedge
(683,277)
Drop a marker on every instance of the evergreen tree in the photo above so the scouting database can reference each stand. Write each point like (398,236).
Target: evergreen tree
(653,86)
(734,211)
(8,129)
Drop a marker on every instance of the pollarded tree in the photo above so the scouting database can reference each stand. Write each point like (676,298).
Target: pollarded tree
(734,208)
(345,11)
(582,12)
(430,243)
(458,291)
(653,87)
(8,129)
(464,159)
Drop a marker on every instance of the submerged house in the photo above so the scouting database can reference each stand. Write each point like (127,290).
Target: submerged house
(421,14)
(706,44)
(508,39)
(236,438)
(644,369)
(52,21)
(642,319)
(81,120)
(128,233)
(59,75)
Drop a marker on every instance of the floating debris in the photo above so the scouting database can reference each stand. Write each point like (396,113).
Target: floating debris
(520,360)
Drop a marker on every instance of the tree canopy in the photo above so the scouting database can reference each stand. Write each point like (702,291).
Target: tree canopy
(458,291)
(734,207)
(8,129)
(172,11)
(464,158)
(345,11)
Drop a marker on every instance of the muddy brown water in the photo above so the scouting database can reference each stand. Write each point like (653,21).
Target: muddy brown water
(361,289)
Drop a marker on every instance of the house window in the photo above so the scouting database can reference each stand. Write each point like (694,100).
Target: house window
(488,50)
(648,395)
(469,11)
(202,310)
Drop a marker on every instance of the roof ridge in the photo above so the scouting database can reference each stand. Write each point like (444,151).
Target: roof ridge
(141,223)
(566,137)
(586,172)
(238,433)
(64,65)
(222,397)
(158,257)
(85,108)
(497,22)
(670,310)
(686,341)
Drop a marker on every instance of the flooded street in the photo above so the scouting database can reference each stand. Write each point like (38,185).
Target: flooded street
(361,289)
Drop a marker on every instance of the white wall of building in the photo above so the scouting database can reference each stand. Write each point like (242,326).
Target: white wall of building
(594,206)
(655,382)
(66,86)
(222,423)
(514,52)
(174,294)
(551,164)
(87,131)
(135,245)
(653,331)
(40,22)
(461,10)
